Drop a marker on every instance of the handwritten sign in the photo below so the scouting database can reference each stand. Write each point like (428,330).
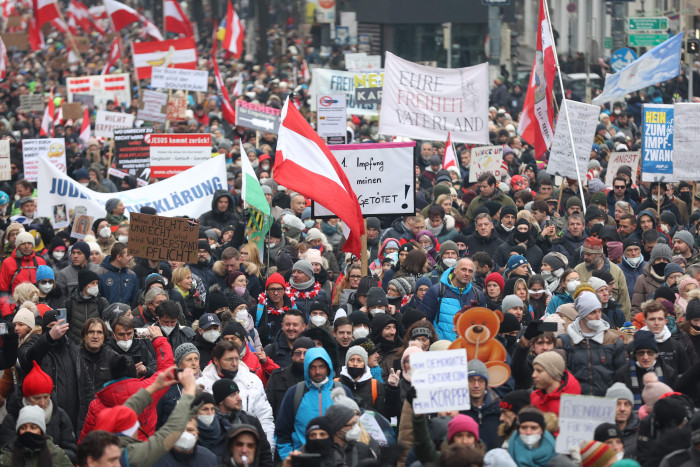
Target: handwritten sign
(584,119)
(578,418)
(257,116)
(441,381)
(72,111)
(54,149)
(381,175)
(163,238)
(107,122)
(31,102)
(657,141)
(486,159)
(132,153)
(617,160)
(686,140)
(152,106)
(177,78)
(177,106)
(5,172)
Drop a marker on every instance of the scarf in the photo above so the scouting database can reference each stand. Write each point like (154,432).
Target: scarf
(693,331)
(295,290)
(263,300)
(636,384)
(209,436)
(538,456)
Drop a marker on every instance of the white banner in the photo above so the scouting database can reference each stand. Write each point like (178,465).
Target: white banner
(578,418)
(153,106)
(325,81)
(51,149)
(486,159)
(177,78)
(686,141)
(5,170)
(103,87)
(584,119)
(186,194)
(381,175)
(441,381)
(107,122)
(423,102)
(617,160)
(362,61)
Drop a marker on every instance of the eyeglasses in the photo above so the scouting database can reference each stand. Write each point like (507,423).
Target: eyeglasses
(231,360)
(642,353)
(275,290)
(619,187)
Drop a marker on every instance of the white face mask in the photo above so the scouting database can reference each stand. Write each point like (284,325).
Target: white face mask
(84,183)
(186,441)
(619,456)
(123,238)
(320,383)
(93,291)
(354,433)
(359,333)
(571,285)
(58,255)
(211,336)
(449,262)
(595,325)
(46,288)
(507,229)
(634,261)
(105,232)
(206,420)
(376,311)
(318,320)
(125,345)
(167,329)
(242,316)
(655,197)
(530,440)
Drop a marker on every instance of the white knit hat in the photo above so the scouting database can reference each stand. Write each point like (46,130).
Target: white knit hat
(31,414)
(23,237)
(25,316)
(586,303)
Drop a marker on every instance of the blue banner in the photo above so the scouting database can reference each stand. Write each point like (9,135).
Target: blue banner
(657,142)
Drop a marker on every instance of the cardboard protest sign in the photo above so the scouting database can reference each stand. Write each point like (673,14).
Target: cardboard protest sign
(85,99)
(153,106)
(584,119)
(132,154)
(326,81)
(175,153)
(381,175)
(441,381)
(18,40)
(59,63)
(163,238)
(617,160)
(487,159)
(176,109)
(54,149)
(103,88)
(578,418)
(82,226)
(31,103)
(72,111)
(83,43)
(362,61)
(107,122)
(330,115)
(686,140)
(5,172)
(257,116)
(422,102)
(657,141)
(178,78)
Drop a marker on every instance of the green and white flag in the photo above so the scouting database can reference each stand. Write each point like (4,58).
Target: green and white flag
(254,199)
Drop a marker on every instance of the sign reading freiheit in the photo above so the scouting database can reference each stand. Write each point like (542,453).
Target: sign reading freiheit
(257,116)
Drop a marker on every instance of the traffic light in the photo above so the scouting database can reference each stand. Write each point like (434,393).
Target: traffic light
(693,46)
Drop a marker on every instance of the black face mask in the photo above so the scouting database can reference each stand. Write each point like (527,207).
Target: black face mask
(228,373)
(510,340)
(31,440)
(697,328)
(319,446)
(396,301)
(298,368)
(659,268)
(521,237)
(355,372)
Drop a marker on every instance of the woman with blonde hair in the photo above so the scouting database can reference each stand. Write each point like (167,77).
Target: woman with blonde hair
(250,254)
(182,282)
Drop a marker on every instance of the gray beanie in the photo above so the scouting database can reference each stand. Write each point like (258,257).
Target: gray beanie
(338,415)
(586,303)
(183,350)
(111,205)
(305,267)
(32,414)
(376,297)
(661,250)
(511,301)
(555,260)
(448,245)
(685,237)
(620,391)
(477,368)
(356,350)
(597,283)
(403,285)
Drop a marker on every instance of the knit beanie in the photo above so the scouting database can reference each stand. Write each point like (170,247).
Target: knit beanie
(37,382)
(318,423)
(365,284)
(44,273)
(25,237)
(338,415)
(313,256)
(276,278)
(111,205)
(606,431)
(234,328)
(620,391)
(449,245)
(411,349)
(223,388)
(85,276)
(462,423)
(314,234)
(376,297)
(597,283)
(653,391)
(684,236)
(339,397)
(303,343)
(359,317)
(25,316)
(305,267)
(31,414)
(515,400)
(183,350)
(82,247)
(514,262)
(672,268)
(661,250)
(644,340)
(532,415)
(203,398)
(586,303)
(596,454)
(692,310)
(554,260)
(593,245)
(511,301)
(497,278)
(477,368)
(402,286)
(215,301)
(356,350)
(574,201)
(552,362)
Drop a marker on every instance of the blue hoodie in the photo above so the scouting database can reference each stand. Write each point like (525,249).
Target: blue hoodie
(290,428)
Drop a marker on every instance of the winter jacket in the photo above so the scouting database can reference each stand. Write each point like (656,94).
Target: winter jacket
(280,381)
(646,285)
(118,284)
(67,278)
(116,392)
(397,230)
(666,205)
(631,274)
(499,197)
(290,427)
(533,253)
(569,246)
(550,402)
(441,312)
(632,376)
(265,449)
(487,417)
(216,219)
(559,300)
(268,324)
(303,304)
(79,309)
(682,458)
(97,364)
(388,398)
(205,348)
(619,293)
(594,361)
(31,456)
(611,202)
(15,270)
(141,350)
(200,456)
(180,335)
(252,395)
(521,367)
(279,350)
(490,245)
(253,363)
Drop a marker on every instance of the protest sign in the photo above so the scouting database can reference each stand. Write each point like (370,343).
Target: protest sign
(368,95)
(325,81)
(578,418)
(177,106)
(5,172)
(102,87)
(330,116)
(132,154)
(257,116)
(175,153)
(72,111)
(657,141)
(53,149)
(60,216)
(18,40)
(441,381)
(186,194)
(584,119)
(107,122)
(82,226)
(686,141)
(31,103)
(486,159)
(362,61)
(381,175)
(422,102)
(85,99)
(153,106)
(59,63)
(617,160)
(163,238)
(178,78)
(82,43)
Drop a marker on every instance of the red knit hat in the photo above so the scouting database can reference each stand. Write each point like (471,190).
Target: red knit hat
(497,278)
(37,382)
(462,423)
(592,245)
(116,419)
(276,278)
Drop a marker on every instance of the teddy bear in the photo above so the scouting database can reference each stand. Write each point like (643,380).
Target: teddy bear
(476,330)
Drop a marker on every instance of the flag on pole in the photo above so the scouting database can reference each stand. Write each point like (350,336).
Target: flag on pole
(227,109)
(536,120)
(45,11)
(449,159)
(85,128)
(304,163)
(36,38)
(48,117)
(175,19)
(123,16)
(113,56)
(175,53)
(254,199)
(231,33)
(4,60)
(238,88)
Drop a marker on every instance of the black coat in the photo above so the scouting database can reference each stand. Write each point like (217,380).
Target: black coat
(142,351)
(476,242)
(279,381)
(279,351)
(388,397)
(216,218)
(205,348)
(97,365)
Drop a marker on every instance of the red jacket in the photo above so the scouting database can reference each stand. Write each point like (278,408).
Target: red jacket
(550,402)
(29,265)
(253,364)
(118,391)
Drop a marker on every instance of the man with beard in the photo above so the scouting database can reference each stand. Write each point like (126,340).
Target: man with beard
(684,245)
(507,222)
(510,405)
(284,378)
(205,262)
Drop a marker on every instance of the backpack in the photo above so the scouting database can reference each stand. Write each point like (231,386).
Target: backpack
(20,267)
(374,389)
(300,389)
(477,293)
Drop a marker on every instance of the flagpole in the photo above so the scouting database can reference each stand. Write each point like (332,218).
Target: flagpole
(118,35)
(70,37)
(563,94)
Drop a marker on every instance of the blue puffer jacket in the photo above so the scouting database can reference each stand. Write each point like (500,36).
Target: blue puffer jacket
(453,300)
(290,428)
(557,301)
(119,285)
